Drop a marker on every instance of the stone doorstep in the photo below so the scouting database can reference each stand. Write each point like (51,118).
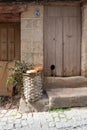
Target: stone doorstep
(38,106)
(67,97)
(65,82)
(55,98)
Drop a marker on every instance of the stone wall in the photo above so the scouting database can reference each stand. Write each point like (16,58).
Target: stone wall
(32,35)
(84,41)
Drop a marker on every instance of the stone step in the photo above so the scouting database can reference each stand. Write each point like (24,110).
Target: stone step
(67,97)
(38,106)
(65,82)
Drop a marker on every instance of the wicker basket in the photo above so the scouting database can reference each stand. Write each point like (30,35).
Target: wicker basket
(32,83)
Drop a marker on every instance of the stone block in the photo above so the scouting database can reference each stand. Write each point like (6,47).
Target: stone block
(23,106)
(38,106)
(27,46)
(27,34)
(65,82)
(37,23)
(27,23)
(37,47)
(32,35)
(30,13)
(38,59)
(28,57)
(84,41)
(67,97)
(37,35)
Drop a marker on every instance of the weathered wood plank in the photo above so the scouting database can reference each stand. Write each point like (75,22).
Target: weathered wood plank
(46,46)
(71,47)
(11,43)
(59,47)
(17,42)
(71,11)
(52,43)
(4,74)
(3,43)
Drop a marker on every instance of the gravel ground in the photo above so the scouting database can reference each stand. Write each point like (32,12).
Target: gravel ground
(70,119)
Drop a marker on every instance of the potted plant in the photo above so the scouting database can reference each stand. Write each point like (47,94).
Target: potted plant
(27,80)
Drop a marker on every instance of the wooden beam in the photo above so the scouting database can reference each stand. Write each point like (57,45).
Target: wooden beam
(12,7)
(18,7)
(11,17)
(60,3)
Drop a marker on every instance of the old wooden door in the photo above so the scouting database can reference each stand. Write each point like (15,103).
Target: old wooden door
(71,37)
(9,51)
(62,40)
(9,41)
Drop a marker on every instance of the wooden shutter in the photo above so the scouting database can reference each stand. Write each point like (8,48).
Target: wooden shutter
(11,44)
(9,41)
(3,43)
(17,42)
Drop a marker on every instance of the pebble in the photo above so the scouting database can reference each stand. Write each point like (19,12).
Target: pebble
(73,119)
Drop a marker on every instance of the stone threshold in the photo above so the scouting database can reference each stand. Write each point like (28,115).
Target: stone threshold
(65,82)
(67,97)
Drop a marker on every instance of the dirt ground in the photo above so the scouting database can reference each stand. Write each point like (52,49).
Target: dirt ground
(9,103)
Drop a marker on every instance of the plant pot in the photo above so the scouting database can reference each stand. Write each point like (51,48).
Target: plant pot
(32,83)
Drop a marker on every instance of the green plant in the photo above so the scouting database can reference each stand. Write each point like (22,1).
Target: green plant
(17,77)
(10,80)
